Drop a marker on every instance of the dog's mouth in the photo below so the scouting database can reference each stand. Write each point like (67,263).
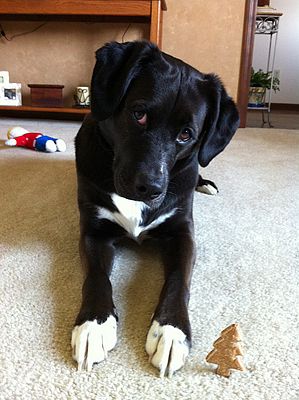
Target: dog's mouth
(156,202)
(150,202)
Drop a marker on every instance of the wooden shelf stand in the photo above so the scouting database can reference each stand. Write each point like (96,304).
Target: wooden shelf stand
(149,11)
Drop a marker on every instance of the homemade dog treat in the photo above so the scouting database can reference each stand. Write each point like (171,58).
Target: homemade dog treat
(227,350)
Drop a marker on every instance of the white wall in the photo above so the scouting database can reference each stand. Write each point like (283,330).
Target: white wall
(287,53)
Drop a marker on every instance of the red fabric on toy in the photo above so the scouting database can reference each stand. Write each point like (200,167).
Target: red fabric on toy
(27,140)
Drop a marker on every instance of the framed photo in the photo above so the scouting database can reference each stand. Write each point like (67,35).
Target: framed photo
(4,77)
(10,94)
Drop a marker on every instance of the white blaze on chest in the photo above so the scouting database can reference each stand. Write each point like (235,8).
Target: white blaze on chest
(129,215)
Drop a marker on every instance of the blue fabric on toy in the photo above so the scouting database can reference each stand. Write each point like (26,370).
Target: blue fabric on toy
(40,143)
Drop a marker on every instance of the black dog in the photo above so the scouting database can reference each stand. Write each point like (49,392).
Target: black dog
(153,119)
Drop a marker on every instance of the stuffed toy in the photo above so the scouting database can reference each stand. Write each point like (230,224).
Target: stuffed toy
(18,136)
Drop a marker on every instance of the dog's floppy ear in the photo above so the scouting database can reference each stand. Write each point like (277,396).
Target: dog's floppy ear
(116,65)
(222,120)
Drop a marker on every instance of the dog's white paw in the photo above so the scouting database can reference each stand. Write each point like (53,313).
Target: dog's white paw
(92,341)
(207,189)
(167,348)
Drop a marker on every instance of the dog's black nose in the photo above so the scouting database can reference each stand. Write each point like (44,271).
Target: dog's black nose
(147,188)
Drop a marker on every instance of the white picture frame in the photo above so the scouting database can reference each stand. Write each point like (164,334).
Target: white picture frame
(11,94)
(4,77)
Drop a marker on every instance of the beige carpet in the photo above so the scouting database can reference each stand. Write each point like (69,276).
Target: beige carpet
(247,271)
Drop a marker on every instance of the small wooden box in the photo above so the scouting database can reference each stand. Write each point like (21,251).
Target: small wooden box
(46,95)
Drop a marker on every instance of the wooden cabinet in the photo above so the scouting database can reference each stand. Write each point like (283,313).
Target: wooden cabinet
(149,11)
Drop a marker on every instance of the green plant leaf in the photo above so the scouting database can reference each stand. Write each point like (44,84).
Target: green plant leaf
(263,79)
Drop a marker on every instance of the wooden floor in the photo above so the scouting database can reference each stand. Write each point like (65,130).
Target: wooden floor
(278,118)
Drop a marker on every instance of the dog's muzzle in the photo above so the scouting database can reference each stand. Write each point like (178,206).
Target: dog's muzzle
(150,189)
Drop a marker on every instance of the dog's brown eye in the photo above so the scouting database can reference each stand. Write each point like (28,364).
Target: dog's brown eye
(141,117)
(185,135)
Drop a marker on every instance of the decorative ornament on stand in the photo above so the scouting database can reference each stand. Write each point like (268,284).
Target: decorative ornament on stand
(82,97)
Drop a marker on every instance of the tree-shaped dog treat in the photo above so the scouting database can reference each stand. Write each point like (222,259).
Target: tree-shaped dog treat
(226,351)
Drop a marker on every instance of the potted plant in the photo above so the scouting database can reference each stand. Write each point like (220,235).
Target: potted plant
(259,82)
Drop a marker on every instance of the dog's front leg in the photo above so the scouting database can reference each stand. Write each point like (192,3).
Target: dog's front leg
(169,338)
(94,333)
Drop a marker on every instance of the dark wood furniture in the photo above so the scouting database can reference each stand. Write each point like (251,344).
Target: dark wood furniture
(46,95)
(246,59)
(149,11)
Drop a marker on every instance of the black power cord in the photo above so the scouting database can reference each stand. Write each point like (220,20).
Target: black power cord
(3,34)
